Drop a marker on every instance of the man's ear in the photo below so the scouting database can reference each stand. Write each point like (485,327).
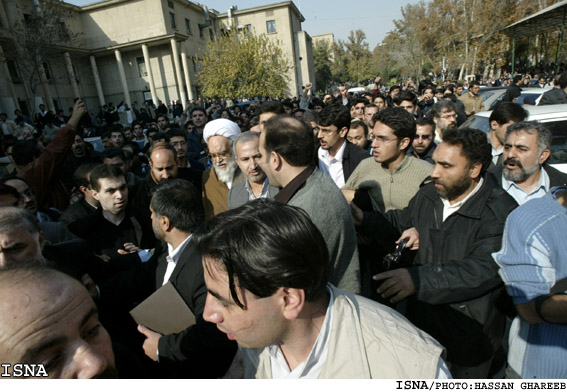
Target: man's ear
(343,132)
(544,156)
(494,124)
(404,143)
(95,195)
(165,223)
(475,170)
(293,302)
(276,160)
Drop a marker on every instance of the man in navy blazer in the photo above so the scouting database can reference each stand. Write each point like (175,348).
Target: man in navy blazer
(248,157)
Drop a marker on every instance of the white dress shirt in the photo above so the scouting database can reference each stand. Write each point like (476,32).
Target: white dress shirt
(333,166)
(173,257)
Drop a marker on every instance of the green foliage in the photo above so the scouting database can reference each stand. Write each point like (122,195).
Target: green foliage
(244,65)
(322,64)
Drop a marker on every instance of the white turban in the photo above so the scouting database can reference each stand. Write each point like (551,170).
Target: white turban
(221,127)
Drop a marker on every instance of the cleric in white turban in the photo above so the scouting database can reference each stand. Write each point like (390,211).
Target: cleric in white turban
(221,127)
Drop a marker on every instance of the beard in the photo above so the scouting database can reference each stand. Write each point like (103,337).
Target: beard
(226,173)
(451,192)
(519,174)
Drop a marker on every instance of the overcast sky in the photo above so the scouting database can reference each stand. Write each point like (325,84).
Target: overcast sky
(374,17)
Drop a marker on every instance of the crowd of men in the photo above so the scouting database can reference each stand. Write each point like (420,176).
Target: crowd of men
(345,237)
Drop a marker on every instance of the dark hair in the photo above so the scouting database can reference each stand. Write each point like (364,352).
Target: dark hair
(271,107)
(405,96)
(104,171)
(474,146)
(176,132)
(473,83)
(517,78)
(265,245)
(113,152)
(82,173)
(337,115)
(116,128)
(401,122)
(425,121)
(505,112)
(359,124)
(162,115)
(290,138)
(562,80)
(358,100)
(180,202)
(6,189)
(198,109)
(25,151)
(441,107)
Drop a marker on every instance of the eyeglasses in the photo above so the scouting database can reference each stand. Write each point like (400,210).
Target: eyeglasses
(220,155)
(424,137)
(448,116)
(381,139)
(178,144)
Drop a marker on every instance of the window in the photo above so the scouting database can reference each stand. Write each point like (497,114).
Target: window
(47,72)
(27,18)
(188,26)
(170,4)
(248,28)
(211,34)
(13,70)
(271,25)
(172,17)
(141,66)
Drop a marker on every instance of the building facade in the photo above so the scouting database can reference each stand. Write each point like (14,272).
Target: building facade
(134,51)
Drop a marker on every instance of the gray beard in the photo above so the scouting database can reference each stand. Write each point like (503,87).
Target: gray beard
(520,174)
(226,174)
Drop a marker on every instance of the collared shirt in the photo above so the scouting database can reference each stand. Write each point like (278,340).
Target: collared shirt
(496,154)
(287,192)
(263,194)
(520,195)
(449,209)
(312,366)
(333,166)
(173,257)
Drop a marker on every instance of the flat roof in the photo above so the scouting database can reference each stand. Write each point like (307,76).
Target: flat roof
(548,19)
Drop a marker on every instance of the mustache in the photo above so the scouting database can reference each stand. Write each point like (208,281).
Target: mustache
(514,162)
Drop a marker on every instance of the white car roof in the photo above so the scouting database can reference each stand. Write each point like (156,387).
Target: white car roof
(538,112)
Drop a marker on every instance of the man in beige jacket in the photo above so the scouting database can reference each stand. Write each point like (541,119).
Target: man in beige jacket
(265,269)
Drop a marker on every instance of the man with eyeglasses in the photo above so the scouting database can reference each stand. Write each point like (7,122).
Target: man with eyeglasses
(472,101)
(444,114)
(217,180)
(392,177)
(423,145)
(178,141)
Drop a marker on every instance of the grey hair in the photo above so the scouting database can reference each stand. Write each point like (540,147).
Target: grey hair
(533,127)
(246,137)
(14,217)
(441,107)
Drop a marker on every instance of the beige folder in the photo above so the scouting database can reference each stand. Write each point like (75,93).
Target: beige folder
(164,311)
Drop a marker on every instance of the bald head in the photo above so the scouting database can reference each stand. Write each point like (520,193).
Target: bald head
(48,318)
(163,162)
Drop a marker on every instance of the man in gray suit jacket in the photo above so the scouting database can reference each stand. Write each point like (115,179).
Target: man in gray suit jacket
(248,158)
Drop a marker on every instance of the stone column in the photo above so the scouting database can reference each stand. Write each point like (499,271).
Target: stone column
(186,74)
(150,74)
(10,84)
(122,77)
(71,73)
(97,81)
(46,88)
(178,78)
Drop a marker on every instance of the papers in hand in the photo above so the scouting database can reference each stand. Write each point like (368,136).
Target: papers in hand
(164,311)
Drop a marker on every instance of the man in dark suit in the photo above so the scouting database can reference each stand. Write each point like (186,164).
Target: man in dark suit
(248,157)
(337,156)
(201,350)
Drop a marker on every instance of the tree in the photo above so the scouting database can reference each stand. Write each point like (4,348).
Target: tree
(360,65)
(41,37)
(244,65)
(322,64)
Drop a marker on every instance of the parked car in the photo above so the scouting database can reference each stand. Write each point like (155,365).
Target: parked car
(553,116)
(493,95)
